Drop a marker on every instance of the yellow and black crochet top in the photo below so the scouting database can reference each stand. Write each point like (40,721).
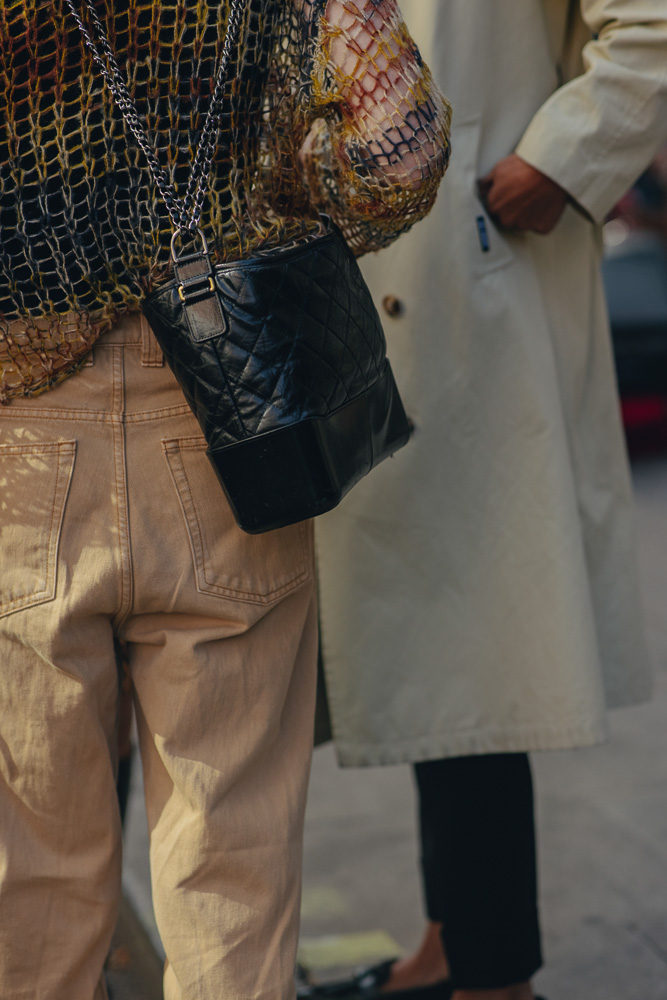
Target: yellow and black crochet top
(328,108)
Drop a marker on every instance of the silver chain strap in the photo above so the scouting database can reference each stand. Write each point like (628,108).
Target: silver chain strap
(185,213)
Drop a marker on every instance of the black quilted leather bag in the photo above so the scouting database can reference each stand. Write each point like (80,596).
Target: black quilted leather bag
(281,356)
(282,359)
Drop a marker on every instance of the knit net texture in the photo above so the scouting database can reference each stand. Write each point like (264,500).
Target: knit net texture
(328,108)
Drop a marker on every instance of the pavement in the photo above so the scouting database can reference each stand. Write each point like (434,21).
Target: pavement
(602,829)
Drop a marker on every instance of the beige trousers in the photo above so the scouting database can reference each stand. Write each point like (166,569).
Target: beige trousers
(112,525)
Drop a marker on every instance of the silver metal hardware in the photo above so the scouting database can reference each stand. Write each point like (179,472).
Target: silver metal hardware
(185,213)
(188,232)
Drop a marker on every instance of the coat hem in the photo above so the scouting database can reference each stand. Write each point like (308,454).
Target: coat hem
(470,744)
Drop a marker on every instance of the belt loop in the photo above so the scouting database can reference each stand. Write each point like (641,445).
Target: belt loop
(151,355)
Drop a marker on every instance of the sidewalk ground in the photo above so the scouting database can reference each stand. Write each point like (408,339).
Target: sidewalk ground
(602,823)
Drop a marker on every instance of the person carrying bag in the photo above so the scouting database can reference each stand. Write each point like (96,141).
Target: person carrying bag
(113,527)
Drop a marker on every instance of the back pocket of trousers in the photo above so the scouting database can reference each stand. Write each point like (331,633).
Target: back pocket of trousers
(34,483)
(227,561)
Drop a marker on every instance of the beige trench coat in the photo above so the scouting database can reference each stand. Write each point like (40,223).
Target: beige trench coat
(479,591)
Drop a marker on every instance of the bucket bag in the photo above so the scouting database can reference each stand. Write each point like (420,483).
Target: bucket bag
(281,356)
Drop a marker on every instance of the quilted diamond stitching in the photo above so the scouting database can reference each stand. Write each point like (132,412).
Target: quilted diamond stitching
(304,339)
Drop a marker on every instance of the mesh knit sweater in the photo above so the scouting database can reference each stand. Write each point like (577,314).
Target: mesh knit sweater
(83,232)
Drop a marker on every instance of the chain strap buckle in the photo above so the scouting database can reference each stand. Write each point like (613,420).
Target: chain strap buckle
(193,270)
(182,258)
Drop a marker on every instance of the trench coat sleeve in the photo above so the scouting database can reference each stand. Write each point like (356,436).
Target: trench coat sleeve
(596,134)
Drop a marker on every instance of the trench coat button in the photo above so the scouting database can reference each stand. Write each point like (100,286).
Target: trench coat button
(393,306)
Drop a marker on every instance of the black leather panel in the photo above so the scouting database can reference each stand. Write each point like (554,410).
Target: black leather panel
(303,338)
(293,392)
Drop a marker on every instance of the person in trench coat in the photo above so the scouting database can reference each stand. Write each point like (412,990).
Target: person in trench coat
(479,593)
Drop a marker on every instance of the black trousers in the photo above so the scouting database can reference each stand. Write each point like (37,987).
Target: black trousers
(479,866)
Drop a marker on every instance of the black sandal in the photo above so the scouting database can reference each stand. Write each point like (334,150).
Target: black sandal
(367,983)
